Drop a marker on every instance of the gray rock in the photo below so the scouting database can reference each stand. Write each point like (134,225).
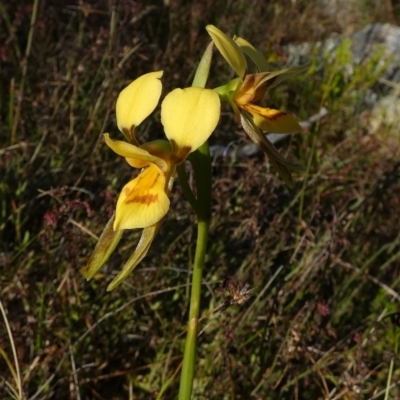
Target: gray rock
(383,39)
(381,103)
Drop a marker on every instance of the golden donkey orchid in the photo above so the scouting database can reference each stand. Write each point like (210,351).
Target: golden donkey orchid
(244,92)
(189,116)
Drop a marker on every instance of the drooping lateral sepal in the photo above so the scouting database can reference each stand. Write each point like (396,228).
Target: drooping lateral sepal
(105,246)
(140,252)
(282,165)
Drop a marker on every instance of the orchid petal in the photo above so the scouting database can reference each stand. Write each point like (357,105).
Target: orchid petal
(143,201)
(132,153)
(229,50)
(277,77)
(254,54)
(250,91)
(282,165)
(189,117)
(160,150)
(270,120)
(105,246)
(140,252)
(138,100)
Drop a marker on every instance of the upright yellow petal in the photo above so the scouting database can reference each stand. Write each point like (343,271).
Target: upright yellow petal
(138,100)
(229,50)
(189,117)
(143,201)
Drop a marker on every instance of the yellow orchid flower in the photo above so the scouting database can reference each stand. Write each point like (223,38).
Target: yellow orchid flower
(243,92)
(189,116)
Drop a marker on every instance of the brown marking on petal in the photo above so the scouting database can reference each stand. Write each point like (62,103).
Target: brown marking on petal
(249,83)
(273,117)
(262,82)
(129,133)
(259,93)
(179,154)
(146,199)
(127,191)
(253,89)
(267,113)
(139,192)
(245,94)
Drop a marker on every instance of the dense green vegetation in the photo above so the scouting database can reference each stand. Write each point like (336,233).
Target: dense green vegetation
(321,260)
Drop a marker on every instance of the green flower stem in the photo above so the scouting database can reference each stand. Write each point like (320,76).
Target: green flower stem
(189,358)
(183,180)
(201,163)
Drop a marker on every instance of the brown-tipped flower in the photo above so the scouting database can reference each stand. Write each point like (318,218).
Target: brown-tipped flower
(244,92)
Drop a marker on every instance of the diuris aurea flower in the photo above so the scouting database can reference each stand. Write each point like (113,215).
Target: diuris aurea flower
(244,92)
(189,116)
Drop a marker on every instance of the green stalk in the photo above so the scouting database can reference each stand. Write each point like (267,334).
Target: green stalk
(201,163)
(187,191)
(189,358)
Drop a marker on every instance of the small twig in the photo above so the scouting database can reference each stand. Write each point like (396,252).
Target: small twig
(13,147)
(83,229)
(382,392)
(269,283)
(74,373)
(318,370)
(382,285)
(393,85)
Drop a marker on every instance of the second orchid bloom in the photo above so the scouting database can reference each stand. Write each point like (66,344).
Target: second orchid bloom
(189,116)
(244,92)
